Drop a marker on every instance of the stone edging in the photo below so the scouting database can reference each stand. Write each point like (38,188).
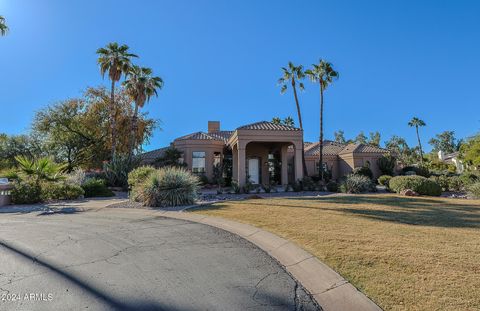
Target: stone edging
(331,291)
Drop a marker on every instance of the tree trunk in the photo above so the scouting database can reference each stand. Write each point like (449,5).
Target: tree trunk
(321,134)
(69,160)
(420,146)
(133,137)
(301,126)
(113,126)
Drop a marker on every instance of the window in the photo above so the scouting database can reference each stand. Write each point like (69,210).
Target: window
(217,158)
(198,162)
(317,164)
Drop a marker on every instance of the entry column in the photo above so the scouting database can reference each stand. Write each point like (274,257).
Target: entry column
(284,160)
(241,166)
(298,162)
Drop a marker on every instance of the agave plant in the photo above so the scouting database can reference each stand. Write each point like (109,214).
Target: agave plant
(40,169)
(116,171)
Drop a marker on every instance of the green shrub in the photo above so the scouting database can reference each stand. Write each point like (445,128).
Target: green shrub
(51,191)
(248,187)
(442,181)
(455,183)
(297,186)
(168,186)
(235,187)
(419,184)
(267,188)
(26,192)
(203,179)
(448,183)
(355,183)
(384,180)
(363,171)
(10,174)
(421,171)
(332,186)
(386,165)
(139,175)
(95,187)
(308,184)
(469,178)
(474,190)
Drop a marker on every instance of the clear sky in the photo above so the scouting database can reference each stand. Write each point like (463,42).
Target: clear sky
(220,60)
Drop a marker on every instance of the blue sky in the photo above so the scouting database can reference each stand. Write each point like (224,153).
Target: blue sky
(220,60)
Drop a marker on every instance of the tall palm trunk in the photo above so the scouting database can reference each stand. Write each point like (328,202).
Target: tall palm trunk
(320,173)
(113,126)
(420,146)
(304,165)
(133,137)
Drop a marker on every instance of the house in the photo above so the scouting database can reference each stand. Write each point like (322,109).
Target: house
(265,151)
(452,158)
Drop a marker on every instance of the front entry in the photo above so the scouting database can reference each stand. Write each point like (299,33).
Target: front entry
(254,170)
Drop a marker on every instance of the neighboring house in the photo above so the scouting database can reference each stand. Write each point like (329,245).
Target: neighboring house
(452,158)
(254,148)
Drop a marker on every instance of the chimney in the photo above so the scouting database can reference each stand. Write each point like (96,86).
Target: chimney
(441,155)
(213,126)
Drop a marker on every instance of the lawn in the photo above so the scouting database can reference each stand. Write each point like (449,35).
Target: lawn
(405,253)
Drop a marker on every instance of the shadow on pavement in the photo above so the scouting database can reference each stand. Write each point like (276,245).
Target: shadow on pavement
(90,289)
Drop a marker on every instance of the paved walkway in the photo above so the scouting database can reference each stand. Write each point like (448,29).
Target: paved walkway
(86,256)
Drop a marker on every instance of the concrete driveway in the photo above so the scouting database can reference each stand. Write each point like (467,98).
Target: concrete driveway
(112,259)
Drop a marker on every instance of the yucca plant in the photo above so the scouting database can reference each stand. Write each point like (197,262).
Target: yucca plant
(169,186)
(40,169)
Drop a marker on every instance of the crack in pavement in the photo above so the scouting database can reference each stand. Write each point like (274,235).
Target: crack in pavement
(333,287)
(257,288)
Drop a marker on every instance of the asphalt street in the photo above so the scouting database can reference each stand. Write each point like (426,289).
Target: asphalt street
(121,259)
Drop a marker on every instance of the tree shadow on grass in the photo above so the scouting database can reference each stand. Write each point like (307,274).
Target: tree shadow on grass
(405,210)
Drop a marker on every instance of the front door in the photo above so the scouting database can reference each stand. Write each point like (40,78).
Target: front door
(254,170)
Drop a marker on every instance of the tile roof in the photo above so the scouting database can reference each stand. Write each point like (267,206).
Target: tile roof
(220,135)
(362,148)
(265,125)
(196,136)
(451,155)
(150,156)
(329,148)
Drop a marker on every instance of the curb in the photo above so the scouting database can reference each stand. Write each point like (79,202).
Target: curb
(331,291)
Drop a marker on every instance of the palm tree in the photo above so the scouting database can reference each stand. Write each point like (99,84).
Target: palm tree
(3,26)
(276,120)
(115,59)
(289,121)
(140,86)
(323,74)
(40,169)
(416,122)
(291,75)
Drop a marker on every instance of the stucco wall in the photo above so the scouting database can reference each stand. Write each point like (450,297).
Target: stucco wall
(209,147)
(331,161)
